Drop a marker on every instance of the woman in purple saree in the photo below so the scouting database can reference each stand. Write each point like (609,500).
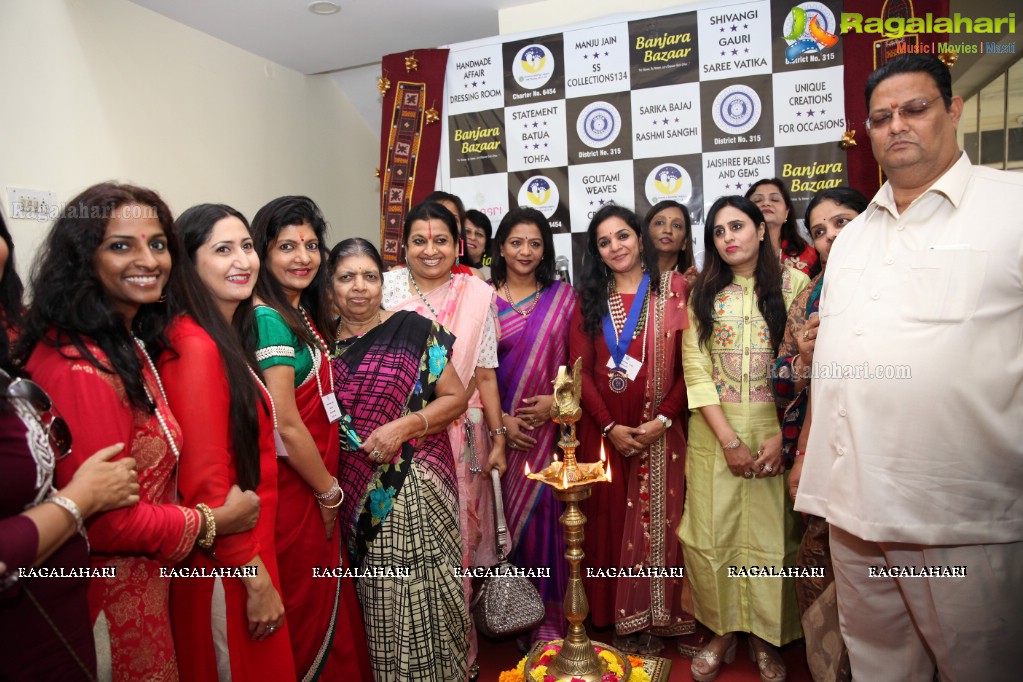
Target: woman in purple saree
(534,311)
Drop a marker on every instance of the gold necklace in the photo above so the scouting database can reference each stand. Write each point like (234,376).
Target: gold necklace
(511,301)
(338,337)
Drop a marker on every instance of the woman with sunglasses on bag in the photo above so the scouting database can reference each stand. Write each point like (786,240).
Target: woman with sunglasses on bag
(96,316)
(39,528)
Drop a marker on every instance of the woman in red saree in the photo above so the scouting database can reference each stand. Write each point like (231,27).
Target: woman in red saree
(463,304)
(534,310)
(627,330)
(324,620)
(96,306)
(224,627)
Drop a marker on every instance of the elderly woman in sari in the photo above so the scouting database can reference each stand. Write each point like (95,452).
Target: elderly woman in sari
(462,303)
(394,381)
(827,213)
(533,309)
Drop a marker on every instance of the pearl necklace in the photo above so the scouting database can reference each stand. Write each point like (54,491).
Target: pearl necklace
(511,301)
(159,385)
(273,408)
(617,310)
(321,352)
(412,279)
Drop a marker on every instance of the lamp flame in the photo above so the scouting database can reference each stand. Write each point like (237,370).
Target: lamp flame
(603,457)
(608,472)
(527,469)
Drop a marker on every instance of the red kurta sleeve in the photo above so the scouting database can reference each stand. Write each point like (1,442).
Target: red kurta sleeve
(197,390)
(676,404)
(580,345)
(96,410)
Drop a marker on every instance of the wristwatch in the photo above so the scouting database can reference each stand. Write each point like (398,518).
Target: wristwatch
(664,420)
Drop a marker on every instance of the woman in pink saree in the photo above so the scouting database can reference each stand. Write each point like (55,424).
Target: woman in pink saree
(464,305)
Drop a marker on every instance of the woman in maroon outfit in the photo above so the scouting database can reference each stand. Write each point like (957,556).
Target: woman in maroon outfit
(627,330)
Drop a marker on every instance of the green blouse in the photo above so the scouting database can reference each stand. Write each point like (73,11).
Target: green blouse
(278,345)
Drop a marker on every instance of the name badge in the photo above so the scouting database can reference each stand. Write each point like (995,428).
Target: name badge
(331,406)
(279,444)
(630,366)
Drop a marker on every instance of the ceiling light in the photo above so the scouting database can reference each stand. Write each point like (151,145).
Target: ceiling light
(324,7)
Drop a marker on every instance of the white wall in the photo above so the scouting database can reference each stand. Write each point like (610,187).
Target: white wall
(104,89)
(552,13)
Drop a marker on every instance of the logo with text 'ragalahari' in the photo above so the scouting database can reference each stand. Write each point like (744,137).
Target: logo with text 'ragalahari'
(533,66)
(541,193)
(809,27)
(668,181)
(736,109)
(598,124)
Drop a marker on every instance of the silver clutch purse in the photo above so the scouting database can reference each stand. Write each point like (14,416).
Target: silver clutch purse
(505,604)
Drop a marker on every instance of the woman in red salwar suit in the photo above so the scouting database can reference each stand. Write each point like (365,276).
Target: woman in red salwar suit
(230,627)
(97,285)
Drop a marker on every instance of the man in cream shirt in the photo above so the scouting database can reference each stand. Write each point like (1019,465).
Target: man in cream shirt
(915,454)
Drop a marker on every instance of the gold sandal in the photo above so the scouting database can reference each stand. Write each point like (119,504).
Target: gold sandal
(766,659)
(714,659)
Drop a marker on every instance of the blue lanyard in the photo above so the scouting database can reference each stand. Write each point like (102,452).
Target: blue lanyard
(618,347)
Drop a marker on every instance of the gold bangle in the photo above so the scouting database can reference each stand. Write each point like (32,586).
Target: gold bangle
(426,423)
(206,541)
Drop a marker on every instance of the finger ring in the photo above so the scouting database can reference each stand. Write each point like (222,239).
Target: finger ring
(271,629)
(763,466)
(806,334)
(768,468)
(748,474)
(375,455)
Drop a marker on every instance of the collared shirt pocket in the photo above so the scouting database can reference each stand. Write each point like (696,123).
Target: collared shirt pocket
(840,286)
(943,283)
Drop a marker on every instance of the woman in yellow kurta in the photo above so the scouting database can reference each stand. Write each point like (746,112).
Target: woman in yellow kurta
(738,522)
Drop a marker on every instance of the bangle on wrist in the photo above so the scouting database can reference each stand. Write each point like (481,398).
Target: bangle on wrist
(206,541)
(426,423)
(607,429)
(799,453)
(502,431)
(335,505)
(334,490)
(733,445)
(71,507)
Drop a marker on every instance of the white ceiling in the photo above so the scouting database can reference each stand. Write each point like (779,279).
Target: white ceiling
(286,32)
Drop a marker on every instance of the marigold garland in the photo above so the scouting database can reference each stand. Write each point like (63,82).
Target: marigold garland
(539,672)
